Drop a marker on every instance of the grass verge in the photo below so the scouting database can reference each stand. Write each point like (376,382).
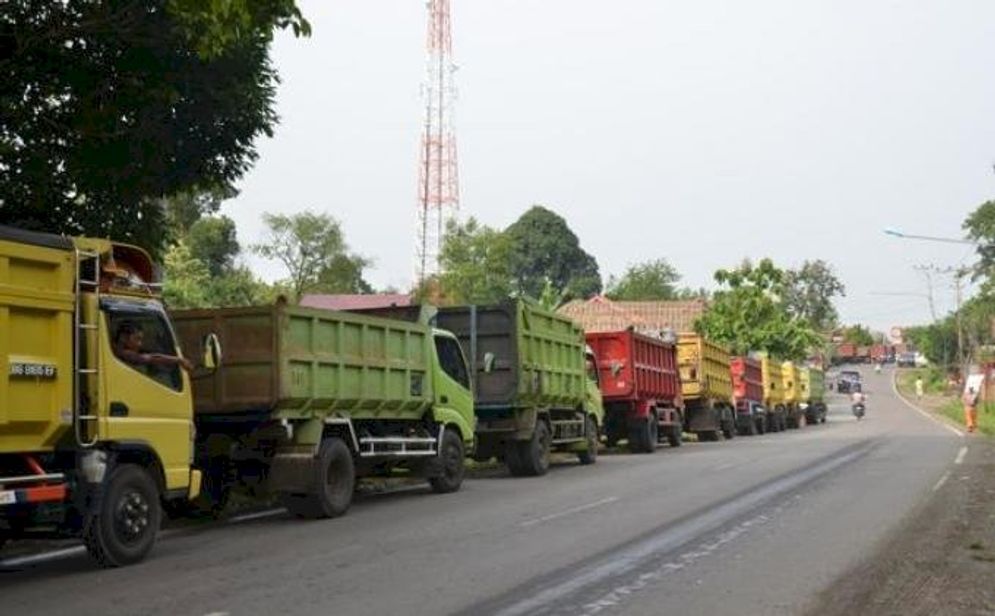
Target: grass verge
(942,401)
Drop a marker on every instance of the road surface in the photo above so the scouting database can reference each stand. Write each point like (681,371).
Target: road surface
(759,525)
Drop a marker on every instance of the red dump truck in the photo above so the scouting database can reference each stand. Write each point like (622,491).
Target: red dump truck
(640,387)
(748,395)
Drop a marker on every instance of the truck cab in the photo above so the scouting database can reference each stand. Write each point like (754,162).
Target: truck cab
(96,424)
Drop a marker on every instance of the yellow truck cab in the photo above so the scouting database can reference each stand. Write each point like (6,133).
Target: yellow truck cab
(96,413)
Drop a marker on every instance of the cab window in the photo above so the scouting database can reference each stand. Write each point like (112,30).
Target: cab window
(451,360)
(141,332)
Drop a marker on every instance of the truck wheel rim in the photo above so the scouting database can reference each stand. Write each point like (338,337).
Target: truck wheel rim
(451,462)
(131,517)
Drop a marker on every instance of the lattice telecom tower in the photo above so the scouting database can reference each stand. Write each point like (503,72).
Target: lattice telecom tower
(438,181)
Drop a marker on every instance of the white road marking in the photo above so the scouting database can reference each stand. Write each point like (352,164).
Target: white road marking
(943,480)
(960,455)
(894,387)
(248,517)
(217,614)
(561,514)
(724,467)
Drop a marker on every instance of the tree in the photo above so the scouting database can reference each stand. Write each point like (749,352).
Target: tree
(543,248)
(311,247)
(186,278)
(107,107)
(980,227)
(652,280)
(809,293)
(475,263)
(858,335)
(748,314)
(213,240)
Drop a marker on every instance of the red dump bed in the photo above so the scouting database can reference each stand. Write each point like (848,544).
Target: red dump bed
(747,379)
(635,367)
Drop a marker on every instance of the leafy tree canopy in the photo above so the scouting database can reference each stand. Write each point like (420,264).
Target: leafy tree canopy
(213,240)
(107,107)
(543,248)
(652,280)
(748,314)
(809,293)
(858,335)
(475,264)
(311,248)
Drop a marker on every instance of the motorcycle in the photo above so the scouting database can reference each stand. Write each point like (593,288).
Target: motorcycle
(858,410)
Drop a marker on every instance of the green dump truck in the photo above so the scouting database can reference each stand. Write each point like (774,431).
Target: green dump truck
(813,393)
(534,388)
(308,400)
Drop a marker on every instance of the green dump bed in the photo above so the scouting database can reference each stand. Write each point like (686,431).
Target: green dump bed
(537,355)
(816,385)
(295,362)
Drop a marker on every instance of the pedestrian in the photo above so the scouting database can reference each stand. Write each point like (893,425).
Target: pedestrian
(970,401)
(920,386)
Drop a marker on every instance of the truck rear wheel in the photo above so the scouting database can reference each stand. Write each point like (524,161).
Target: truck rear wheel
(593,441)
(332,485)
(644,435)
(452,465)
(534,453)
(676,436)
(123,529)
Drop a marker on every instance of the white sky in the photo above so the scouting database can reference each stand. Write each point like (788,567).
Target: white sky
(703,131)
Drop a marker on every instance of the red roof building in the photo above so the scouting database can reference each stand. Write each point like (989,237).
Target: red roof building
(356,301)
(600,314)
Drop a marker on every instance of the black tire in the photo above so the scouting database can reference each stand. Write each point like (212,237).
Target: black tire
(760,426)
(710,436)
(452,465)
(729,430)
(513,460)
(124,529)
(644,435)
(534,453)
(593,441)
(675,437)
(332,484)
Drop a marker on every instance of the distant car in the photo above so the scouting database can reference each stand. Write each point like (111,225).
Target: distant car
(906,360)
(921,361)
(848,381)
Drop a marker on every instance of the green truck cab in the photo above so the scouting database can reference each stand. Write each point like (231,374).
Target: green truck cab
(96,415)
(308,400)
(535,384)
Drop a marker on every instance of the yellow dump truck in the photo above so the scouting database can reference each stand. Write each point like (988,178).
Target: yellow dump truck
(706,384)
(791,379)
(774,395)
(96,415)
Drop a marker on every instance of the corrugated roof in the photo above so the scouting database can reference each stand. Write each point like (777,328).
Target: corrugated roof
(356,302)
(600,314)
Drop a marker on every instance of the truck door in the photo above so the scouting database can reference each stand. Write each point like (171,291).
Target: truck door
(145,403)
(453,396)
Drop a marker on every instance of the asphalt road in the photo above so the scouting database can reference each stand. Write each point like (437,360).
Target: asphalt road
(758,525)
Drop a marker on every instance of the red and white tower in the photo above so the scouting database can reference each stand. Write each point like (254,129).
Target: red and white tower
(438,181)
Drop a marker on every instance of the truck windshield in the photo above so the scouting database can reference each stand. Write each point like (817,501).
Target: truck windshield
(451,360)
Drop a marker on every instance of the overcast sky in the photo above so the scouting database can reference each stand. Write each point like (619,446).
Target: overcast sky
(702,131)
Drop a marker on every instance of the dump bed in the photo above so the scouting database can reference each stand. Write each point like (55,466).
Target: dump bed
(635,367)
(37,304)
(747,379)
(814,384)
(704,369)
(293,362)
(536,356)
(773,383)
(791,382)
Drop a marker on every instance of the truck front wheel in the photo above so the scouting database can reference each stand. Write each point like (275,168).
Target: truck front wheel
(332,485)
(451,463)
(533,454)
(644,435)
(123,529)
(593,441)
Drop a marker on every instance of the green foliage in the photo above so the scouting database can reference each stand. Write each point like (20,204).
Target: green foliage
(475,263)
(809,293)
(544,249)
(980,227)
(186,278)
(311,247)
(748,314)
(106,107)
(213,240)
(858,335)
(652,280)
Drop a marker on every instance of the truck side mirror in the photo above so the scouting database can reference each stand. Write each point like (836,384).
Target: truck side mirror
(488,362)
(211,352)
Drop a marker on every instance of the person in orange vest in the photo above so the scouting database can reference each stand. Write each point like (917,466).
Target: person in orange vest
(970,400)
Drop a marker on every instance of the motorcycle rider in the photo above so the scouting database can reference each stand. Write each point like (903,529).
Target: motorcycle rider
(858,398)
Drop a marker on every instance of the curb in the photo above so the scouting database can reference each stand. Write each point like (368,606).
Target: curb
(937,418)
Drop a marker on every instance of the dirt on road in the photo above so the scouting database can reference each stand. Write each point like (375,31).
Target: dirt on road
(941,560)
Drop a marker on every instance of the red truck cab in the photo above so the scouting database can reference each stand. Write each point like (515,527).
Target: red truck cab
(640,387)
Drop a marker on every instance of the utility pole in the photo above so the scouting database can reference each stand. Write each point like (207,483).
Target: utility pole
(958,274)
(927,271)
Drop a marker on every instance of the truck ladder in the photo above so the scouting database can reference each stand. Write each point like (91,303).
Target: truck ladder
(85,423)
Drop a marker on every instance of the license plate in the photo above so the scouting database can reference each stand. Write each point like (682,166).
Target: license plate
(8,498)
